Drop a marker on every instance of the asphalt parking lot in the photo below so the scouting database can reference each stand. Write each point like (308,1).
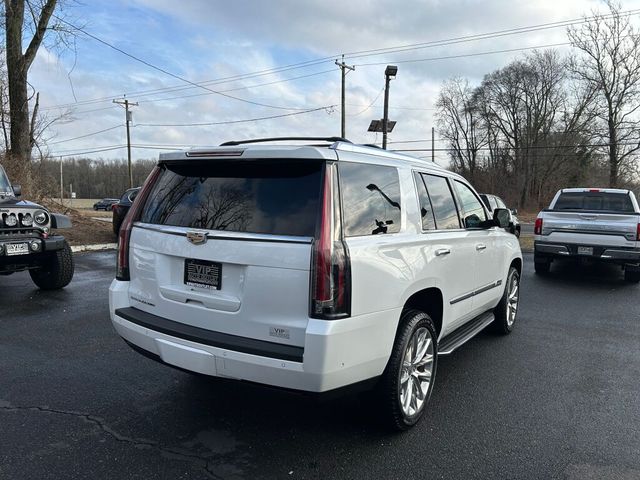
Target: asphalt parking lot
(559,398)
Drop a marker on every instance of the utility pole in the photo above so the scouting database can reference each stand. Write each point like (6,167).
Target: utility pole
(390,72)
(344,67)
(61,184)
(126,104)
(433,145)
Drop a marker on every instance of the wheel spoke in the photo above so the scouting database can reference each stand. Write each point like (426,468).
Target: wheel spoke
(426,360)
(420,393)
(414,348)
(406,401)
(414,396)
(423,347)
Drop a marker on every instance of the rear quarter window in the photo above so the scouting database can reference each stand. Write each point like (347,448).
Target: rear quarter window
(279,197)
(370,199)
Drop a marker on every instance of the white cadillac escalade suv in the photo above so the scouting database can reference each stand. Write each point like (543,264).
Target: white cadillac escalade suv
(312,268)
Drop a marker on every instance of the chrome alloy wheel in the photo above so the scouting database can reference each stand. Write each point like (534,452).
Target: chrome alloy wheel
(512,299)
(416,372)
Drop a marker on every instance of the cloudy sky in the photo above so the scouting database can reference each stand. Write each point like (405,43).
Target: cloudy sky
(272,66)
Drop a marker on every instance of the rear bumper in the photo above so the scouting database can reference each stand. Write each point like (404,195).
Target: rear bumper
(621,255)
(336,353)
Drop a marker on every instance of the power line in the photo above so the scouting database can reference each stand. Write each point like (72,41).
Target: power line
(84,136)
(308,63)
(229,122)
(363,64)
(465,55)
(166,72)
(98,150)
(370,105)
(531,147)
(488,35)
(240,88)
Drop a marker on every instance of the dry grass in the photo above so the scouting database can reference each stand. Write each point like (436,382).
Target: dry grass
(526,243)
(84,230)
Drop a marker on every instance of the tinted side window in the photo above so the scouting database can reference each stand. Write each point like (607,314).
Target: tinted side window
(426,211)
(444,206)
(370,199)
(472,211)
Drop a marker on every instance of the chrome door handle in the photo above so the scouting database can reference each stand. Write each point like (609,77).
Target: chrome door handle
(442,251)
(481,246)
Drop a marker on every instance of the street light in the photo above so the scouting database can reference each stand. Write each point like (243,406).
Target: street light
(389,73)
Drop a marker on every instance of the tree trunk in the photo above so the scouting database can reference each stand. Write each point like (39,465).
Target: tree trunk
(20,148)
(613,155)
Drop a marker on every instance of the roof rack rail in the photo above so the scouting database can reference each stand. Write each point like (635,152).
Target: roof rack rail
(280,139)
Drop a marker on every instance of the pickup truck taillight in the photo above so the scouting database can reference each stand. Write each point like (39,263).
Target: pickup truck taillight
(124,235)
(537,228)
(638,233)
(331,266)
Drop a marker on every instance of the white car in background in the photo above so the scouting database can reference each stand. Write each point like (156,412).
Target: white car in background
(312,268)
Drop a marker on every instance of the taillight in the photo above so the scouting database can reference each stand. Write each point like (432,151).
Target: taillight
(638,233)
(331,267)
(133,215)
(537,228)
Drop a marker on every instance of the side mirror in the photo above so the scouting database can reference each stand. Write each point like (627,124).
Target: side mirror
(502,217)
(17,190)
(514,211)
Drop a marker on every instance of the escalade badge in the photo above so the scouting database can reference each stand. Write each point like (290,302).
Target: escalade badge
(197,238)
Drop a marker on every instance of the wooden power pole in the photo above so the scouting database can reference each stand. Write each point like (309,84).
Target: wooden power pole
(344,67)
(127,104)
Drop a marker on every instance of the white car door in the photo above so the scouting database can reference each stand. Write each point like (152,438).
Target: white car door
(488,261)
(453,255)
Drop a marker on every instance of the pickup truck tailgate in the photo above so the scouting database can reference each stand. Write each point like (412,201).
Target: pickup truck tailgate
(599,228)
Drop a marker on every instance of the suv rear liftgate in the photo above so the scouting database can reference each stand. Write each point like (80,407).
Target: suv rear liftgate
(211,249)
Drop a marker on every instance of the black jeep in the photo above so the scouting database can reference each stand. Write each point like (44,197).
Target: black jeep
(28,240)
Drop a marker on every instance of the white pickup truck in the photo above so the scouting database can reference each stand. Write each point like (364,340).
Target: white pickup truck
(598,224)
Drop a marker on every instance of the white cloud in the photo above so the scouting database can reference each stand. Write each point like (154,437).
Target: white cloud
(200,40)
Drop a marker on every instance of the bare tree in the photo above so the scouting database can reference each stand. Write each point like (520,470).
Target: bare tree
(524,131)
(18,16)
(610,65)
(459,122)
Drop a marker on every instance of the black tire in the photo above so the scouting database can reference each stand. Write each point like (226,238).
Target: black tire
(503,323)
(389,387)
(95,208)
(517,232)
(56,272)
(632,276)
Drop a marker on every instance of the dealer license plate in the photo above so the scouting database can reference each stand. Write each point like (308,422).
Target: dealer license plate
(202,273)
(17,248)
(585,250)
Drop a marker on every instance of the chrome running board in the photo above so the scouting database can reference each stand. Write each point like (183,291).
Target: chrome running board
(464,333)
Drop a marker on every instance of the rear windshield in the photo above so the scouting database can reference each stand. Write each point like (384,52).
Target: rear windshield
(278,197)
(594,201)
